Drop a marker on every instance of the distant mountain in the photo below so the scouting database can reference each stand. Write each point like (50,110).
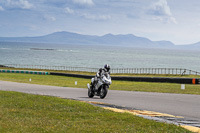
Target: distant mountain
(57,37)
(165,43)
(195,44)
(124,40)
(108,39)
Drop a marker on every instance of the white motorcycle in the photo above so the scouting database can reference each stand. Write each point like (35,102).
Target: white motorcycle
(101,88)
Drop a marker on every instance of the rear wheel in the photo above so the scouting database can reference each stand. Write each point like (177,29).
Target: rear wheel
(103,92)
(90,93)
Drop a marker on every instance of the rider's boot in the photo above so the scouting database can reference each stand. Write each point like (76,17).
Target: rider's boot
(95,83)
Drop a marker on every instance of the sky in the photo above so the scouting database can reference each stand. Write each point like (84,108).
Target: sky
(177,21)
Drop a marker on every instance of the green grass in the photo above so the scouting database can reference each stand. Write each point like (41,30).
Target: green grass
(21,112)
(116,85)
(155,87)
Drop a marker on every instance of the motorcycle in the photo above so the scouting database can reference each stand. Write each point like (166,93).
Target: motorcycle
(101,87)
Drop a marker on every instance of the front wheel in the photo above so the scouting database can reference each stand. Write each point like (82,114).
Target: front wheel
(90,93)
(103,92)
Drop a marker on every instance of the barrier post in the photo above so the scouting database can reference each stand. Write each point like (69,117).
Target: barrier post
(182,86)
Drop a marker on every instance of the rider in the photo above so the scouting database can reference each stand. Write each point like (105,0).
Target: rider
(100,72)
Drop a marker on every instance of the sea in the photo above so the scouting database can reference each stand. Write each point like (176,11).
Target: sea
(95,56)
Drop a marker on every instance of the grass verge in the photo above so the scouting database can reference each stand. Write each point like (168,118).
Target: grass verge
(116,85)
(21,112)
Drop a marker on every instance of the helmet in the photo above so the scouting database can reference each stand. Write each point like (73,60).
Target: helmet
(107,67)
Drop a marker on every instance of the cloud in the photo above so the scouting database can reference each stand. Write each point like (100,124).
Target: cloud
(68,10)
(84,2)
(50,18)
(33,27)
(86,15)
(160,8)
(162,12)
(96,17)
(23,4)
(1,8)
(164,19)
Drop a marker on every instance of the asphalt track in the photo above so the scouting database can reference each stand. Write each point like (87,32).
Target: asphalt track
(184,105)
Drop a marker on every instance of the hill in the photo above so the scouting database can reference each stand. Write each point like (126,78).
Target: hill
(108,39)
(127,40)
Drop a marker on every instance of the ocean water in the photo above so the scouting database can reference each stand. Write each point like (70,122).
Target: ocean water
(97,56)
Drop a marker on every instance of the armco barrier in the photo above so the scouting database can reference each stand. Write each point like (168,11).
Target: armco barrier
(160,79)
(139,79)
(24,71)
(72,75)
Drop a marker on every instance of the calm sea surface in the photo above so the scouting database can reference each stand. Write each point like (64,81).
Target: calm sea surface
(97,56)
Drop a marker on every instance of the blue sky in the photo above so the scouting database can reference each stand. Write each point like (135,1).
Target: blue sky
(177,21)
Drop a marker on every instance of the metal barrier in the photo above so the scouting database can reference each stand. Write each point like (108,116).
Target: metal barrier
(171,71)
(138,79)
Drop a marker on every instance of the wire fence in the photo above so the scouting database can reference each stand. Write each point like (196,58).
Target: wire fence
(173,71)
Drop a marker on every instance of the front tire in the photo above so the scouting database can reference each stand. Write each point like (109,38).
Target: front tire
(90,93)
(103,92)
